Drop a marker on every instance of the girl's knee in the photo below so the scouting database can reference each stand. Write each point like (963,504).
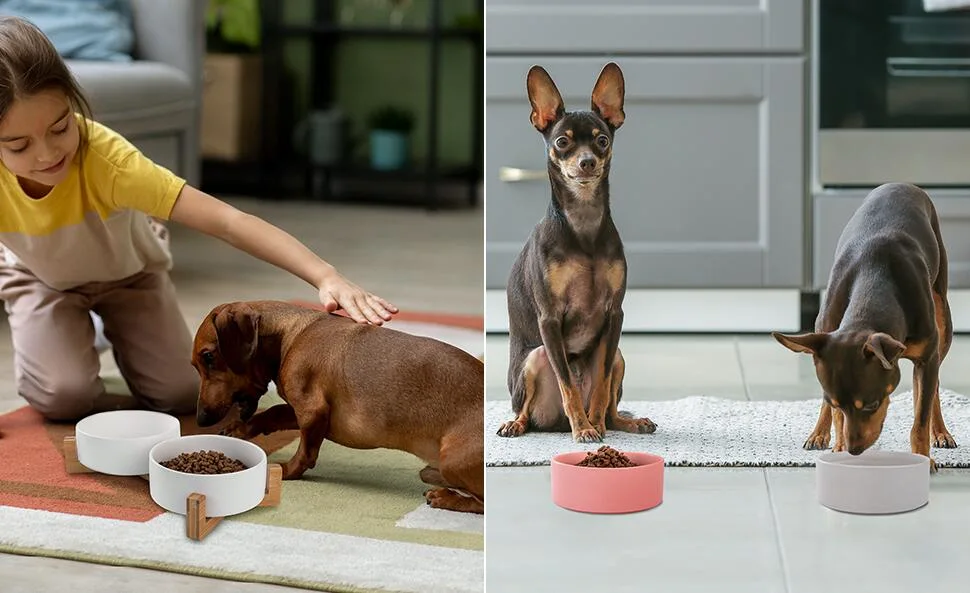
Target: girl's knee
(62,399)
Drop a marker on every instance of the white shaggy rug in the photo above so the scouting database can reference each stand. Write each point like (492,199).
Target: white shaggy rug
(709,431)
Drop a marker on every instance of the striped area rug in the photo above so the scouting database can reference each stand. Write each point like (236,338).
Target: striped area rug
(355,523)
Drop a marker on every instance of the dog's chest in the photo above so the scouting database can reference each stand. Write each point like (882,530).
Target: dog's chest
(585,291)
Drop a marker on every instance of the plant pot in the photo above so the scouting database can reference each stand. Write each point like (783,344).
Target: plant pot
(388,149)
(320,137)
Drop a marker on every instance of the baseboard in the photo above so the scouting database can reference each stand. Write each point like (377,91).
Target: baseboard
(687,311)
(712,311)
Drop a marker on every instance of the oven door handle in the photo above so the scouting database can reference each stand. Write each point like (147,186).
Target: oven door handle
(929,67)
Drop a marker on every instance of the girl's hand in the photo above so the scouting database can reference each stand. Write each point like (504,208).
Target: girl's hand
(258,238)
(336,292)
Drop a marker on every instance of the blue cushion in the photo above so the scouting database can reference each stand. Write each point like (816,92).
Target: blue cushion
(81,29)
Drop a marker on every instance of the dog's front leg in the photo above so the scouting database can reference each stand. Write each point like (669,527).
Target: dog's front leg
(926,375)
(279,417)
(838,416)
(314,425)
(819,439)
(550,329)
(603,363)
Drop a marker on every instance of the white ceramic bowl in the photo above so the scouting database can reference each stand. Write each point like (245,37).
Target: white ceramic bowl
(873,483)
(118,442)
(225,494)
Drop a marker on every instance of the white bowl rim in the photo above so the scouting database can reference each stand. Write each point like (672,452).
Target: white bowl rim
(264,461)
(890,459)
(171,421)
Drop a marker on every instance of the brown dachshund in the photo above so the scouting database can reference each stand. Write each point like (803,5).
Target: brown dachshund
(360,386)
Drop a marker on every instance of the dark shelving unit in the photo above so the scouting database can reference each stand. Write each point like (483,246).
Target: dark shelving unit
(325,34)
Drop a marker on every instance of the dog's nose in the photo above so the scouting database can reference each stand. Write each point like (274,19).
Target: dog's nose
(203,419)
(587,165)
(856,450)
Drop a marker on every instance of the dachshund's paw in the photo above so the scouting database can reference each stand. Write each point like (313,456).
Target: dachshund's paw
(838,447)
(944,440)
(933,468)
(293,471)
(817,441)
(237,429)
(434,497)
(512,428)
(587,435)
(443,498)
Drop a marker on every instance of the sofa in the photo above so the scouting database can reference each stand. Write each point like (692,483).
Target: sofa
(155,100)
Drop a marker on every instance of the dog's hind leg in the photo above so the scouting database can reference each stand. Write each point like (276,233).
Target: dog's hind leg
(523,392)
(940,437)
(432,476)
(462,470)
(614,421)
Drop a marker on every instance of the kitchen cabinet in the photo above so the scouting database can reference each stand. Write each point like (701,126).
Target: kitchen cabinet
(645,26)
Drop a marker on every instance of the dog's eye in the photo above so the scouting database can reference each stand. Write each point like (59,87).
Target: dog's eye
(562,142)
(871,407)
(603,140)
(208,358)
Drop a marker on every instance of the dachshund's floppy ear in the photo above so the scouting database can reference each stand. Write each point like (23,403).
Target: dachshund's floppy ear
(237,332)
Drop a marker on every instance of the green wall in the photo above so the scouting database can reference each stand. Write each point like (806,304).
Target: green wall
(371,73)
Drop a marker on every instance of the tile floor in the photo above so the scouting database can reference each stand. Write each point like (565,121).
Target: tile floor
(418,260)
(724,530)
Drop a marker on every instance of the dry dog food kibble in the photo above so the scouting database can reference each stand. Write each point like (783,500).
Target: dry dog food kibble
(606,456)
(204,462)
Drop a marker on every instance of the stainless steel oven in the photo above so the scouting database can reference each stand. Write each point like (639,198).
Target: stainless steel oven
(892,92)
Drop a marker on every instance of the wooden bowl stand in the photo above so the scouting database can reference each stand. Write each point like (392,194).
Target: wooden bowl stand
(197,524)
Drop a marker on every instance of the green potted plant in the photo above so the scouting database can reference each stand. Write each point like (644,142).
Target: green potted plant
(390,134)
(233,26)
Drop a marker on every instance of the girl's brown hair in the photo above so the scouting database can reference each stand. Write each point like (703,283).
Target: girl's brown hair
(29,64)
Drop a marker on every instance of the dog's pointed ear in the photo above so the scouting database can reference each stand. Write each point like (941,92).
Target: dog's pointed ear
(237,333)
(806,343)
(607,100)
(547,104)
(885,348)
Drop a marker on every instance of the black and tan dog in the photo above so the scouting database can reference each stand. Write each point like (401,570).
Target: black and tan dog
(886,300)
(566,288)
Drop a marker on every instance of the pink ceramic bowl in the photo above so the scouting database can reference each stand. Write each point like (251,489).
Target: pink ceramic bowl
(607,490)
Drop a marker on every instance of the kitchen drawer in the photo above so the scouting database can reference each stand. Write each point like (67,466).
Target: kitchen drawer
(833,210)
(707,183)
(645,26)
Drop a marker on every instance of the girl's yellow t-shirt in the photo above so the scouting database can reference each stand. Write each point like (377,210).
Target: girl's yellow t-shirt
(93,226)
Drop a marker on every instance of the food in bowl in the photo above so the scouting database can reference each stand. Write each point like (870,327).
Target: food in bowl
(204,462)
(606,456)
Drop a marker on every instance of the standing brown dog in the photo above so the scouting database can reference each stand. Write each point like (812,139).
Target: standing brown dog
(360,386)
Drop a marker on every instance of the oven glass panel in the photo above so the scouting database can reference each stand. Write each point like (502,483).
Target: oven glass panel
(890,64)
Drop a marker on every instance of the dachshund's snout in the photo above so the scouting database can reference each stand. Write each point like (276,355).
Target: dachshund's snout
(204,418)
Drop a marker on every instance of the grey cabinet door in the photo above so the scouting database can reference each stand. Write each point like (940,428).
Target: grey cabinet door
(707,183)
(657,26)
(833,210)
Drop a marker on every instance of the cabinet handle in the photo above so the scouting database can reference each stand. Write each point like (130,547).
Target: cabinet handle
(513,175)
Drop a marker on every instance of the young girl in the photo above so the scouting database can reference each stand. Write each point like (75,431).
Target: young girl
(76,208)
